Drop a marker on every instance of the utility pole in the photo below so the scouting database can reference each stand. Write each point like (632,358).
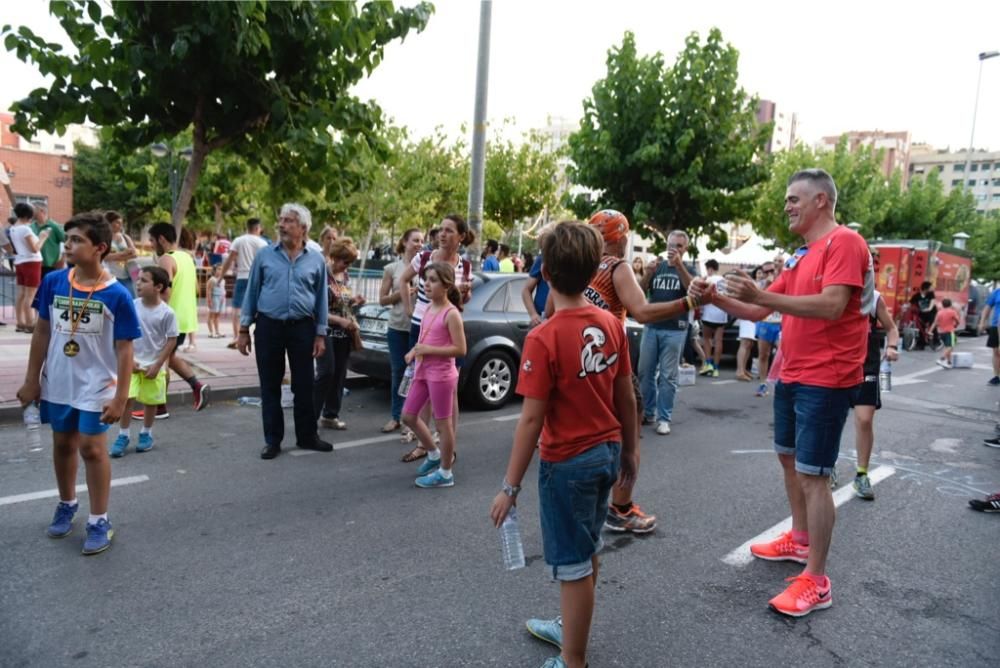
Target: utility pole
(478,172)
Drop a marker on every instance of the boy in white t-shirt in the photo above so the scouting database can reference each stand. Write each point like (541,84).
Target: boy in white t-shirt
(80,347)
(150,353)
(713,325)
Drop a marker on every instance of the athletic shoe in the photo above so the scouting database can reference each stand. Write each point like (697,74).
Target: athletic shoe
(992,442)
(62,521)
(200,394)
(549,630)
(161,413)
(647,419)
(863,487)
(434,479)
(761,390)
(145,443)
(995,380)
(990,505)
(118,447)
(801,597)
(943,363)
(634,521)
(782,548)
(554,662)
(714,373)
(663,428)
(99,537)
(428,465)
(706,369)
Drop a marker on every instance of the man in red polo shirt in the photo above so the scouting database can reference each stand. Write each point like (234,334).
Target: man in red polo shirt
(823,293)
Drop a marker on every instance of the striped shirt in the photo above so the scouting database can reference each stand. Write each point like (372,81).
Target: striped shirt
(422,301)
(601,291)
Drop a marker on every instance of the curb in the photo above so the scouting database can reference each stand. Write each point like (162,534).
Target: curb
(12,414)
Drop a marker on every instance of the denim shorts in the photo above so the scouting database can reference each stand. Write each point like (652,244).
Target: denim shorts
(66,419)
(573,502)
(769,332)
(240,291)
(808,421)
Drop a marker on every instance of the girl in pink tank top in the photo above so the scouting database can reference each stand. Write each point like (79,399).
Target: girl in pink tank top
(442,339)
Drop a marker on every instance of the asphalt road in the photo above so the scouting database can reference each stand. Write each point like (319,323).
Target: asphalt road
(222,559)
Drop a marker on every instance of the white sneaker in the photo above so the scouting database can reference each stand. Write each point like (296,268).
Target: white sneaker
(943,363)
(663,428)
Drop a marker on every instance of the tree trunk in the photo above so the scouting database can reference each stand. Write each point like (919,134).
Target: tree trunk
(199,153)
(219,222)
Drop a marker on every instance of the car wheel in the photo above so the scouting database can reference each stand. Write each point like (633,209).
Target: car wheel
(491,382)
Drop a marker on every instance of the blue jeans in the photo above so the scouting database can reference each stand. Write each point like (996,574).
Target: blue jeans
(659,356)
(573,503)
(399,345)
(808,422)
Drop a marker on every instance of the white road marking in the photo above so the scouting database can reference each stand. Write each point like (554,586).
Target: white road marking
(723,382)
(741,556)
(753,452)
(54,493)
(395,436)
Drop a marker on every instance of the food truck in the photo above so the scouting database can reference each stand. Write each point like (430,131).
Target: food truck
(905,264)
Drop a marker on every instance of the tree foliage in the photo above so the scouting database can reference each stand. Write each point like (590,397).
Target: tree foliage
(269,81)
(862,190)
(521,179)
(673,148)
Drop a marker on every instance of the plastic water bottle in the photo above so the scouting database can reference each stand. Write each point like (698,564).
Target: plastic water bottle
(32,426)
(885,376)
(510,541)
(407,381)
(248,401)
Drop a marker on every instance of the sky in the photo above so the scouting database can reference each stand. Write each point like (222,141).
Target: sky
(849,65)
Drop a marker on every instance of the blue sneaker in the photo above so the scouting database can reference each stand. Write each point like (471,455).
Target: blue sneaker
(554,662)
(428,465)
(145,443)
(62,522)
(99,537)
(435,479)
(118,447)
(549,630)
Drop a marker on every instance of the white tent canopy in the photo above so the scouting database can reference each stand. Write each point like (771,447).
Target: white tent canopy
(750,254)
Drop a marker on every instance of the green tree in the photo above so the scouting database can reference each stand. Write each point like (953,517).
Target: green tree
(520,179)
(863,194)
(267,80)
(985,246)
(108,178)
(673,148)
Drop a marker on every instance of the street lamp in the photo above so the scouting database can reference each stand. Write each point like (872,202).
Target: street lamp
(161,150)
(985,55)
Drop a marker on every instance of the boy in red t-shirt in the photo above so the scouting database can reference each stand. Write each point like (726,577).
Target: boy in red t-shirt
(575,379)
(945,323)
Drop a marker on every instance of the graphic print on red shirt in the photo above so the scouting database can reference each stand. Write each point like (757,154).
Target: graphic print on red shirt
(827,353)
(571,361)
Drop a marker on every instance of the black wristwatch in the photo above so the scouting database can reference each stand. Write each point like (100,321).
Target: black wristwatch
(510,490)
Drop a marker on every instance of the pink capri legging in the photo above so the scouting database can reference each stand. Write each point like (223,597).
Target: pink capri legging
(440,392)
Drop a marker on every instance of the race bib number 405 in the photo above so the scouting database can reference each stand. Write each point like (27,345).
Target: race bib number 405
(90,320)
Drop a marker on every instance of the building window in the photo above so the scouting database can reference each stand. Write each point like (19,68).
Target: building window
(940,168)
(972,183)
(996,182)
(974,167)
(59,147)
(981,197)
(996,197)
(956,183)
(958,167)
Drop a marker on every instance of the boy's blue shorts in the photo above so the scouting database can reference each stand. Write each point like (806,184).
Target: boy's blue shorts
(573,502)
(66,419)
(769,331)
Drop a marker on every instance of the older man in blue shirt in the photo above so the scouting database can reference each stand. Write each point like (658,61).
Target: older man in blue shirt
(286,298)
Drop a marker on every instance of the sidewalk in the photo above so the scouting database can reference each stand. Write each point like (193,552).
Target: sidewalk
(229,373)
